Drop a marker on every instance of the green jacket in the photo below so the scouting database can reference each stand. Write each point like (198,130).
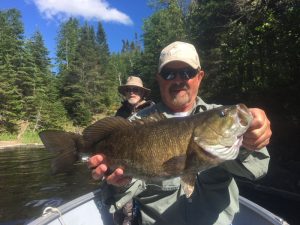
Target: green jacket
(215,199)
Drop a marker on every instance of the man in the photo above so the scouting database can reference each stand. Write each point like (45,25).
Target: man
(134,93)
(215,198)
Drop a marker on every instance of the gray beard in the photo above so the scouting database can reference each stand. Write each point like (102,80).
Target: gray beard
(133,101)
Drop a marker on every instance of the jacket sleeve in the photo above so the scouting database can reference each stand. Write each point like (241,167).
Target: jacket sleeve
(115,197)
(249,164)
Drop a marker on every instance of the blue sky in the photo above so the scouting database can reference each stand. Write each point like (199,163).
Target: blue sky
(121,19)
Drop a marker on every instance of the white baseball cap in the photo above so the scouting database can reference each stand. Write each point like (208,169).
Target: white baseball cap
(179,51)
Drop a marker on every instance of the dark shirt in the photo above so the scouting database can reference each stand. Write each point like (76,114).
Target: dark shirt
(126,110)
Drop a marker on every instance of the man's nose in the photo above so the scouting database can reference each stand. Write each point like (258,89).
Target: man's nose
(178,78)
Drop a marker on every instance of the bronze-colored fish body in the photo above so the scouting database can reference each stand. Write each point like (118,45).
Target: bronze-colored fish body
(158,148)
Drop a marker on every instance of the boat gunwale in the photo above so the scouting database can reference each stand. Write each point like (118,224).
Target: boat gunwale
(61,210)
(68,206)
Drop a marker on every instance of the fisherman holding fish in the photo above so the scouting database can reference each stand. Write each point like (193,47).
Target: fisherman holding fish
(215,198)
(177,159)
(134,93)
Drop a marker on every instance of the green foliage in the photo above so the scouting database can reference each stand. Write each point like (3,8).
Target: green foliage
(102,48)
(6,136)
(246,48)
(86,75)
(67,41)
(30,137)
(26,82)
(11,54)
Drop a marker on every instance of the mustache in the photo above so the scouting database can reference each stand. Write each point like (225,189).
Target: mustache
(177,86)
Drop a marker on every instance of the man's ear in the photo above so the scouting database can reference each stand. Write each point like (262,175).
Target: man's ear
(201,74)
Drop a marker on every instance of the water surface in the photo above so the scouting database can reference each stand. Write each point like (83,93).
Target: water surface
(27,185)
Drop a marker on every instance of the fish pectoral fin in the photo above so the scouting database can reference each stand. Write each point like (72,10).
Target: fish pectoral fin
(188,184)
(175,165)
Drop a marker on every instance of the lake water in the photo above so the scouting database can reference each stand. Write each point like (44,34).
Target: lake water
(27,187)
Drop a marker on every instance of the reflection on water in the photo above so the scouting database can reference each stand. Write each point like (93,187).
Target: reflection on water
(27,185)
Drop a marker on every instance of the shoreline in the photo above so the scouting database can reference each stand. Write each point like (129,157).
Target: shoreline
(7,145)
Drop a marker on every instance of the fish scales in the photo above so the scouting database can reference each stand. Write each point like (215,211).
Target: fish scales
(155,146)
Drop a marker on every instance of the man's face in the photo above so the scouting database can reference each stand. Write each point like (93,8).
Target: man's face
(179,94)
(133,95)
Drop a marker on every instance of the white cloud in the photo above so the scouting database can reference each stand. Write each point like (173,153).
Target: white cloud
(88,9)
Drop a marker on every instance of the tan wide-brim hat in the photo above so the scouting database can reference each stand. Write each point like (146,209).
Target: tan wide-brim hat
(133,81)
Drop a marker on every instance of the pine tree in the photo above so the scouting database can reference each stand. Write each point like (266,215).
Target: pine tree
(102,47)
(67,41)
(11,57)
(44,108)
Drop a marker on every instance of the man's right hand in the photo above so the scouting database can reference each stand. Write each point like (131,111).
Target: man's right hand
(99,169)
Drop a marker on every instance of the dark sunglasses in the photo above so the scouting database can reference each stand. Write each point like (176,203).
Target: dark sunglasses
(132,89)
(184,73)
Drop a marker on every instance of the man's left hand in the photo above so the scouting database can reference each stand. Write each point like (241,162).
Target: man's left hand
(259,133)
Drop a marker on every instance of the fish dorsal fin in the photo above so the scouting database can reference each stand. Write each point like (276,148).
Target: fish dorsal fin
(153,117)
(104,128)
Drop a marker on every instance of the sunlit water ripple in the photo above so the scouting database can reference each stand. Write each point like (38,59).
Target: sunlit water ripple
(27,185)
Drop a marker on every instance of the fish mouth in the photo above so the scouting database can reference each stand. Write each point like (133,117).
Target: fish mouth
(244,116)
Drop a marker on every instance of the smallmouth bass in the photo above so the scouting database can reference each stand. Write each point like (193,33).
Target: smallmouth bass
(154,147)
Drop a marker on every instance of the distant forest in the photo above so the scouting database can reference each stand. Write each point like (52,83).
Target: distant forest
(249,51)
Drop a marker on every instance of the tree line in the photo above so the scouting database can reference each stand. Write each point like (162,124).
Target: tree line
(248,49)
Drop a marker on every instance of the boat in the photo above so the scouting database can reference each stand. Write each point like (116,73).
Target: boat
(85,210)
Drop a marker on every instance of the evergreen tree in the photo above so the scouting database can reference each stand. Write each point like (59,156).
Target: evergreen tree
(87,61)
(67,41)
(206,23)
(11,56)
(44,108)
(102,47)
(108,74)
(72,70)
(246,48)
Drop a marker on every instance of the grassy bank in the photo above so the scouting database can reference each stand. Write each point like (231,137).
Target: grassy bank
(28,137)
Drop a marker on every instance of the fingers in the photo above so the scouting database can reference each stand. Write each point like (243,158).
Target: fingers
(95,161)
(117,178)
(99,171)
(98,166)
(259,132)
(256,144)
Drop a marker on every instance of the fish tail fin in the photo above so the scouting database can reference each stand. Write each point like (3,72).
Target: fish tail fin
(188,184)
(65,145)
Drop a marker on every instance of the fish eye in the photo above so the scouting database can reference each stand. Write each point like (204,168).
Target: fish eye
(222,113)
